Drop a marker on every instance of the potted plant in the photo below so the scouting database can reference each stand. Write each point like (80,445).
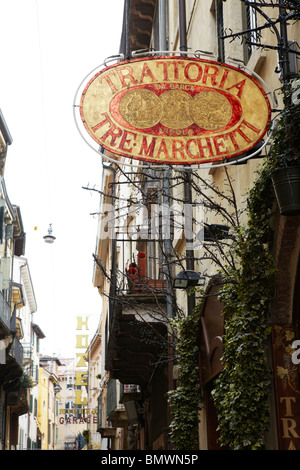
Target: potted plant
(285,156)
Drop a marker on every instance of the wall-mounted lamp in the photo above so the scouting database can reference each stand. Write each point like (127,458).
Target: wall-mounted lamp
(214,232)
(188,278)
(49,238)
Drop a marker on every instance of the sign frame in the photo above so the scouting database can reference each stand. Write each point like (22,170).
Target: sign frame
(175,110)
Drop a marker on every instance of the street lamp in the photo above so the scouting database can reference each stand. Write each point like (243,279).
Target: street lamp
(49,238)
(188,278)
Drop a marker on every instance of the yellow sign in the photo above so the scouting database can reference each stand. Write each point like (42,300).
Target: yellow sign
(81,375)
(175,110)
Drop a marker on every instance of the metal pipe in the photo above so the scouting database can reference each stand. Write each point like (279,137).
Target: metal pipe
(284,45)
(125,39)
(190,261)
(219,24)
(162,25)
(168,245)
(182,25)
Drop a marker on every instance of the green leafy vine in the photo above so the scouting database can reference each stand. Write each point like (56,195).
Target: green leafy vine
(242,389)
(186,400)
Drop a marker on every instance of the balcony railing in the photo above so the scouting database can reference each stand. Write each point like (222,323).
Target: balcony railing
(27,353)
(140,267)
(16,351)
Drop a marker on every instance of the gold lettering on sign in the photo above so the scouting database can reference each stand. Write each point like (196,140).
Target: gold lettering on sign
(288,422)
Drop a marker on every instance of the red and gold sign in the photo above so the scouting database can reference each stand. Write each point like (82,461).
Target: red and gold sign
(175,110)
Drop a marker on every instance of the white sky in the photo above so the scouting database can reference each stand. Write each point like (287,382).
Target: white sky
(47,49)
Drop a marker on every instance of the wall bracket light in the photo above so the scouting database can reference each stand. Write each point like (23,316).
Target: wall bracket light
(188,278)
(213,232)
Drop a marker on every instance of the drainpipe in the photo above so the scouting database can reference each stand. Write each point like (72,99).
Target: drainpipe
(168,245)
(188,214)
(162,23)
(182,25)
(112,292)
(187,187)
(219,19)
(124,46)
(166,183)
(283,49)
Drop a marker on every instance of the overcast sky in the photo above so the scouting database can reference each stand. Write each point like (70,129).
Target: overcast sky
(47,48)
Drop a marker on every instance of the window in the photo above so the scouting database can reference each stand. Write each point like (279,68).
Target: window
(249,25)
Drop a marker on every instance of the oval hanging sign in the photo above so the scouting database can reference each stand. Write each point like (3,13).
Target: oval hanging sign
(175,110)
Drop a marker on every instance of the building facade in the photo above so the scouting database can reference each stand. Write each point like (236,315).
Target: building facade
(15,290)
(95,371)
(47,415)
(73,413)
(135,271)
(30,341)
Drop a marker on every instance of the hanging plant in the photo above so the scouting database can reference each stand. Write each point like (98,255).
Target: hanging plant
(26,381)
(285,155)
(285,150)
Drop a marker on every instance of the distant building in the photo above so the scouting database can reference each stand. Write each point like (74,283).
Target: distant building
(73,414)
(30,337)
(48,390)
(96,377)
(15,384)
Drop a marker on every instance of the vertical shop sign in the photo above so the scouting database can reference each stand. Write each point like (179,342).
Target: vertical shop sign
(286,376)
(81,372)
